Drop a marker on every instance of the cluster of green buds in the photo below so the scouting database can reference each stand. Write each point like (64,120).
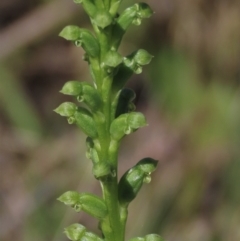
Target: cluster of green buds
(105,112)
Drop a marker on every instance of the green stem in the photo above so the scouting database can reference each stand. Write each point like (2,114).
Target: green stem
(115,231)
(110,184)
(112,231)
(110,195)
(111,228)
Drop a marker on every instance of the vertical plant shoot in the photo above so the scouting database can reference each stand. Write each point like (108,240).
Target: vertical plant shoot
(105,112)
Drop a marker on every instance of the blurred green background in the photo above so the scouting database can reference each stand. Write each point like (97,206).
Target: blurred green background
(189,94)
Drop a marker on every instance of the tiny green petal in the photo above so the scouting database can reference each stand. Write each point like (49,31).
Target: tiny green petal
(66,109)
(136,120)
(148,165)
(147,179)
(153,237)
(144,10)
(138,69)
(101,169)
(142,57)
(102,18)
(128,62)
(70,32)
(113,59)
(126,124)
(75,231)
(137,21)
(72,88)
(70,198)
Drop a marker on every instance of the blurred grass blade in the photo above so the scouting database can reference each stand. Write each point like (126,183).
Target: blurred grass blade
(16,105)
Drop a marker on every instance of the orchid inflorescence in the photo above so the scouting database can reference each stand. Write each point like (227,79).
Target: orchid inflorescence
(107,114)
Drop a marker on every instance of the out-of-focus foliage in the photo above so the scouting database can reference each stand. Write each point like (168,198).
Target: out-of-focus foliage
(190,95)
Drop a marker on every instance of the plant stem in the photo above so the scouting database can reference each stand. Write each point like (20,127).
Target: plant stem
(112,231)
(110,195)
(110,184)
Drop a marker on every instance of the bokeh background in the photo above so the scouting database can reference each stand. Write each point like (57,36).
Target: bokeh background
(190,95)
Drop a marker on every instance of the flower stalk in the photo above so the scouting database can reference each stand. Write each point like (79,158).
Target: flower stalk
(105,112)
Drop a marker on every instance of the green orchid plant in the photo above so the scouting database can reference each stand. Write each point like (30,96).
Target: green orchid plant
(107,114)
